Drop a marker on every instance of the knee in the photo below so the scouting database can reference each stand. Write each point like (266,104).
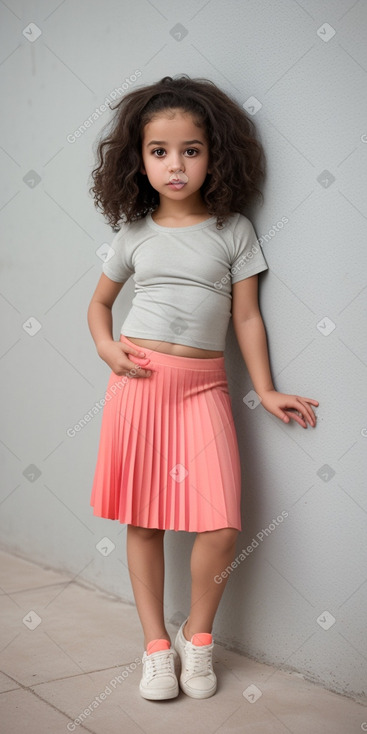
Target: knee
(144,533)
(223,540)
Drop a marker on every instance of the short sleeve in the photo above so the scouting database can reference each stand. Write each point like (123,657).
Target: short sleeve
(117,263)
(248,256)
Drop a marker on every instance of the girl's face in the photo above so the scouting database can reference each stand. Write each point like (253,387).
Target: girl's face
(174,147)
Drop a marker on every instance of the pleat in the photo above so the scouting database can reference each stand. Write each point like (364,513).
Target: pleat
(152,480)
(194,442)
(184,436)
(126,448)
(105,473)
(168,455)
(226,451)
(169,502)
(143,453)
(155,492)
(204,465)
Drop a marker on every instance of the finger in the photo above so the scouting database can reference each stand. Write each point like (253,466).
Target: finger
(311,400)
(296,418)
(306,411)
(128,350)
(144,373)
(307,404)
(306,414)
(137,371)
(140,368)
(296,403)
(282,414)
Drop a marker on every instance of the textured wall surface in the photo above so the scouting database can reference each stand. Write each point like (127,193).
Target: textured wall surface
(297,594)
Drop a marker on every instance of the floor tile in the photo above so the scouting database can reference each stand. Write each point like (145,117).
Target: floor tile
(70,657)
(18,574)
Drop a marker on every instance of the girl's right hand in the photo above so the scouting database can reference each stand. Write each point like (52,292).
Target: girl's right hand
(115,355)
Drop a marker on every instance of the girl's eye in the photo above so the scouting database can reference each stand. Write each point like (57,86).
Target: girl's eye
(190,152)
(157,152)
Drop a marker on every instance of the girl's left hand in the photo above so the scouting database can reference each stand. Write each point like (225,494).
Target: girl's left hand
(284,407)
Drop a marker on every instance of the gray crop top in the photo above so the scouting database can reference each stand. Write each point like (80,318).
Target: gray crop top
(183,277)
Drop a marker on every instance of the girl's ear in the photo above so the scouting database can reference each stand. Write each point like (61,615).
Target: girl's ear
(142,170)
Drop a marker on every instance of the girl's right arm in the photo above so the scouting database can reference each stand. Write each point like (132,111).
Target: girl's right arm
(100,325)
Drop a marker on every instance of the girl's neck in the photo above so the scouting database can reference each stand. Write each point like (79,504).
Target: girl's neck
(180,213)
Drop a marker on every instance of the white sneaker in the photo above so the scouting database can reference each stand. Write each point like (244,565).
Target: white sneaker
(159,680)
(197,678)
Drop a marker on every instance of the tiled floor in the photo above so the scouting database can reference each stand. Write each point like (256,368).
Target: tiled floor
(79,668)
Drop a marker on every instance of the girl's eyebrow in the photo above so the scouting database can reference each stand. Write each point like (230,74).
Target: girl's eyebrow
(164,142)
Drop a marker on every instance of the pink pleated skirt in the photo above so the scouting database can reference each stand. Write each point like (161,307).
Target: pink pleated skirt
(168,454)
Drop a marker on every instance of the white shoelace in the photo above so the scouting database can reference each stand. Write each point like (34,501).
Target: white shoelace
(199,660)
(159,663)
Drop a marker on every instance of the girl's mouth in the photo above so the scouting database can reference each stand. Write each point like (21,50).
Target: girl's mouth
(177,180)
(176,185)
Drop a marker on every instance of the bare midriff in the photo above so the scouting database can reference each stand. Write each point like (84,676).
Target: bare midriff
(180,350)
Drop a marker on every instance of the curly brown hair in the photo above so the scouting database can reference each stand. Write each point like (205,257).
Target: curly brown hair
(236,156)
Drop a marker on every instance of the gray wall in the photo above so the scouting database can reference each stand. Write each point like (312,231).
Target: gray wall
(297,596)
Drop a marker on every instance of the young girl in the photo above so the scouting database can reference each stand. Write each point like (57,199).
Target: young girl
(179,165)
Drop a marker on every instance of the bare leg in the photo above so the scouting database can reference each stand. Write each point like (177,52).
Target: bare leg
(145,555)
(212,552)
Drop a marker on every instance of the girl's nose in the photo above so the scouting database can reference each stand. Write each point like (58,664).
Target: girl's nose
(176,165)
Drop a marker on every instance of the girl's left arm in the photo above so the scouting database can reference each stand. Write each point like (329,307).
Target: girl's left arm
(251,337)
